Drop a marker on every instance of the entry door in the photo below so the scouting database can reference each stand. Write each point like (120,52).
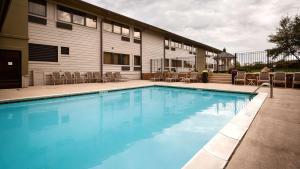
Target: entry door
(10,69)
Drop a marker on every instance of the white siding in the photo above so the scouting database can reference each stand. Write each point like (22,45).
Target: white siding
(83,43)
(112,43)
(153,48)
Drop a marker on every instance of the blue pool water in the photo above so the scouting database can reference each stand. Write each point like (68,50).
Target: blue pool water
(143,128)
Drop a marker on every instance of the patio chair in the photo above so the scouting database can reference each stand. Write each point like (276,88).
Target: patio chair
(78,78)
(280,78)
(108,77)
(157,77)
(56,78)
(263,77)
(97,77)
(240,77)
(118,77)
(89,77)
(193,78)
(68,78)
(296,79)
(173,77)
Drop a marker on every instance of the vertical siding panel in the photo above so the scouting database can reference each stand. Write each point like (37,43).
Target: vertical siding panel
(152,48)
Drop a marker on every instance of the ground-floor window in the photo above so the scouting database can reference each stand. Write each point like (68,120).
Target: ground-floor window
(116,58)
(46,53)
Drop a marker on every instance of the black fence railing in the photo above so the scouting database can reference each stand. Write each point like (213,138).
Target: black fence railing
(252,62)
(255,61)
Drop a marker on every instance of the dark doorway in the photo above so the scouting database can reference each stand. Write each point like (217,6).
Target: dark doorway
(10,69)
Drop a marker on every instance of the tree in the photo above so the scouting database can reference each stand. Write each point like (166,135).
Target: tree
(287,38)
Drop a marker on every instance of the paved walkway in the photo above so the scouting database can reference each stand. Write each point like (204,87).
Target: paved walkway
(273,140)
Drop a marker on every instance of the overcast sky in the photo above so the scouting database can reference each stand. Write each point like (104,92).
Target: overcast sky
(238,25)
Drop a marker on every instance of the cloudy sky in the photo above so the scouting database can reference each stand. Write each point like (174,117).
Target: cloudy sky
(238,25)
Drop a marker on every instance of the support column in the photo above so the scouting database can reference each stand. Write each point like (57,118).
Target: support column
(200,60)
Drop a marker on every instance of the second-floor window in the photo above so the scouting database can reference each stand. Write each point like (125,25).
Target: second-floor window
(37,7)
(66,14)
(125,31)
(166,42)
(137,33)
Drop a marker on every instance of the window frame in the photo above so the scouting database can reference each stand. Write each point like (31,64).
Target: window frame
(140,33)
(74,12)
(140,60)
(117,25)
(125,27)
(108,23)
(84,20)
(119,58)
(71,17)
(64,54)
(56,59)
(41,2)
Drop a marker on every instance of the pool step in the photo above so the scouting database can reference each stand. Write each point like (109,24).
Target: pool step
(220,78)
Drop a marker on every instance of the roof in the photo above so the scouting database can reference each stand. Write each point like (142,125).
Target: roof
(144,26)
(224,55)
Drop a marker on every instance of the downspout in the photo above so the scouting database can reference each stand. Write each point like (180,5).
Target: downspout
(141,54)
(101,48)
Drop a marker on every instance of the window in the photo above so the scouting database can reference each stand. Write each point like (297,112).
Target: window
(187,64)
(91,21)
(78,19)
(166,62)
(116,59)
(64,50)
(166,42)
(137,60)
(37,7)
(179,45)
(46,53)
(107,26)
(137,34)
(117,29)
(172,44)
(125,31)
(176,63)
(64,16)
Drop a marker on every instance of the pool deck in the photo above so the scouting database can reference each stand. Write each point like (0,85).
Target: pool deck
(272,141)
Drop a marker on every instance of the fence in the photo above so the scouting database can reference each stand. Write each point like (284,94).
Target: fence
(255,61)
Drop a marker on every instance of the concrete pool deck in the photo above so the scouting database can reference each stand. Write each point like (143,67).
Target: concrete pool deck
(272,141)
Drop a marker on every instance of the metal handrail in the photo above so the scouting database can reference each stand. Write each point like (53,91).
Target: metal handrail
(263,84)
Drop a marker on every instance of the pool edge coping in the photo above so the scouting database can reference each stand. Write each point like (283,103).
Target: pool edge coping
(32,98)
(217,157)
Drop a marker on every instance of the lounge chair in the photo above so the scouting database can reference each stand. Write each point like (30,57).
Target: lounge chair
(263,77)
(108,77)
(89,77)
(118,77)
(296,79)
(78,78)
(193,78)
(97,77)
(280,78)
(157,77)
(68,78)
(56,78)
(173,77)
(240,77)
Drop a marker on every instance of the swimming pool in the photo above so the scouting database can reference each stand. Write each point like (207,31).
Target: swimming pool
(150,127)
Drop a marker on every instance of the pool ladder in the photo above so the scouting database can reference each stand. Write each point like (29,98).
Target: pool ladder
(264,84)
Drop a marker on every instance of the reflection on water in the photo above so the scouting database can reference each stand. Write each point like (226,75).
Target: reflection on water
(154,127)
